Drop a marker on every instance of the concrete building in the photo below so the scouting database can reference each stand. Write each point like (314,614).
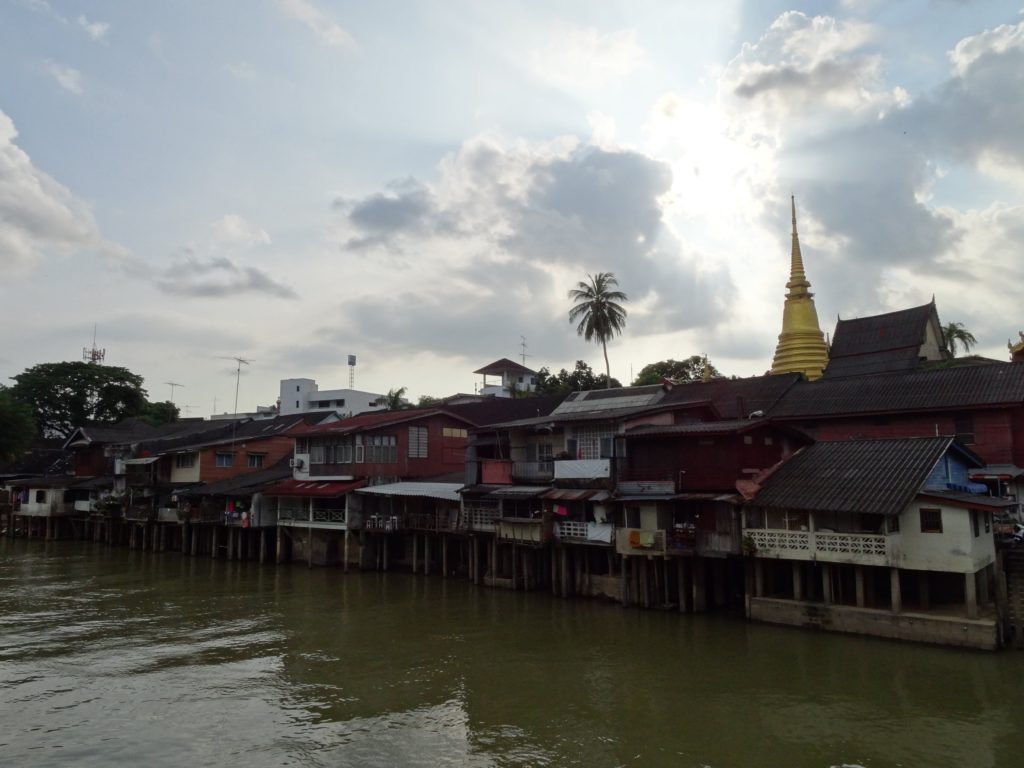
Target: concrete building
(515,378)
(302,395)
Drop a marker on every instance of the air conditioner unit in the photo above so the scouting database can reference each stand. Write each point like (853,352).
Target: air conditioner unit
(295,463)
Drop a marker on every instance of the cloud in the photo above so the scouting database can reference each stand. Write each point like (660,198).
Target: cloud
(321,25)
(585,58)
(96,30)
(242,70)
(489,250)
(68,78)
(216,277)
(39,216)
(233,230)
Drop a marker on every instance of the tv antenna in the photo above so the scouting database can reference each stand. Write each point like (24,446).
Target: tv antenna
(238,374)
(172,385)
(93,355)
(351,371)
(188,410)
(523,353)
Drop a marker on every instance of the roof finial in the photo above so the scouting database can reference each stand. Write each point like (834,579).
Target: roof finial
(705,374)
(797,284)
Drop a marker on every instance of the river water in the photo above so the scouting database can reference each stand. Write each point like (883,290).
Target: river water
(111,657)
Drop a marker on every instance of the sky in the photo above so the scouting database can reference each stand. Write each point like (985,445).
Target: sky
(420,183)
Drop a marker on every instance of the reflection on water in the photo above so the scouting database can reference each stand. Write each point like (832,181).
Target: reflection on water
(111,657)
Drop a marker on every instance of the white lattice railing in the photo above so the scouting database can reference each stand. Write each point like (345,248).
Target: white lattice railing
(772,540)
(841,547)
(570,529)
(480,518)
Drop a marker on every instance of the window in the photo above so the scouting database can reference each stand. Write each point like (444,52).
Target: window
(339,403)
(417,442)
(454,432)
(931,521)
(590,442)
(975,523)
(302,446)
(607,447)
(185,460)
(360,450)
(256,460)
(296,403)
(963,425)
(40,497)
(748,439)
(225,459)
(346,453)
(316,454)
(892,524)
(768,441)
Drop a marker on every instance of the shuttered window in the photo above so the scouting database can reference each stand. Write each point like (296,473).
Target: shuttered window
(417,442)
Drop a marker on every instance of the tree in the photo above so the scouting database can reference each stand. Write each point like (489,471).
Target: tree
(581,379)
(158,414)
(690,369)
(954,334)
(62,396)
(597,312)
(16,426)
(395,400)
(428,401)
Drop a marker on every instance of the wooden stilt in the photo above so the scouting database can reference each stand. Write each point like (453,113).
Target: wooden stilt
(415,551)
(444,556)
(426,554)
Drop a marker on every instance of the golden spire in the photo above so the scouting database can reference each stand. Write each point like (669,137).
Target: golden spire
(801,347)
(705,375)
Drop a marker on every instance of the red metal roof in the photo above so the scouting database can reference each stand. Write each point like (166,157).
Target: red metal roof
(313,488)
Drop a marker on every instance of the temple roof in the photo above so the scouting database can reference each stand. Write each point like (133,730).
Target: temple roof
(504,365)
(882,343)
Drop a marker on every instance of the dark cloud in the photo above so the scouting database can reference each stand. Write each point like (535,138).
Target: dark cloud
(813,81)
(587,209)
(217,277)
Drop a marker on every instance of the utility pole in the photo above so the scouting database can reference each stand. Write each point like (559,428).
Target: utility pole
(523,353)
(238,377)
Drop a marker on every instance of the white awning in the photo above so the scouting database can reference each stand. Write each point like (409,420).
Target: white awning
(147,460)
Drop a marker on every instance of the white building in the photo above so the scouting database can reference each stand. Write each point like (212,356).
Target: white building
(514,378)
(302,395)
(877,537)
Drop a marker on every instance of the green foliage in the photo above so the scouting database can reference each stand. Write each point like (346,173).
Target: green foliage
(16,426)
(62,396)
(690,369)
(158,414)
(582,378)
(395,400)
(428,401)
(954,335)
(597,312)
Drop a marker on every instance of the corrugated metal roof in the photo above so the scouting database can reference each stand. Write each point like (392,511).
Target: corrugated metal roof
(879,476)
(935,389)
(958,499)
(576,494)
(313,488)
(443,491)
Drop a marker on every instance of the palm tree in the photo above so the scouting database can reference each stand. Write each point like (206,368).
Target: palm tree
(955,334)
(394,400)
(597,311)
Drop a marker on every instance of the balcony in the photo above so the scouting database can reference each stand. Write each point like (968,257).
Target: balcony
(639,541)
(532,531)
(482,519)
(573,531)
(326,517)
(856,548)
(582,469)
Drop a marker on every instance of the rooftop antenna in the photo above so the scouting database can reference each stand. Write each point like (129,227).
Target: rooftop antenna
(523,353)
(172,385)
(188,409)
(351,371)
(93,355)
(238,377)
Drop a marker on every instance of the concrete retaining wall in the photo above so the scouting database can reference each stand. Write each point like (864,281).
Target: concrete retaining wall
(917,627)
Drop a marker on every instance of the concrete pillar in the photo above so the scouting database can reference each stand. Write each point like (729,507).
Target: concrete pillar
(922,588)
(344,544)
(758,578)
(231,543)
(983,596)
(798,580)
(826,582)
(263,545)
(515,568)
(894,588)
(426,554)
(858,573)
(700,602)
(444,557)
(415,551)
(971,595)
(719,583)
(213,542)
